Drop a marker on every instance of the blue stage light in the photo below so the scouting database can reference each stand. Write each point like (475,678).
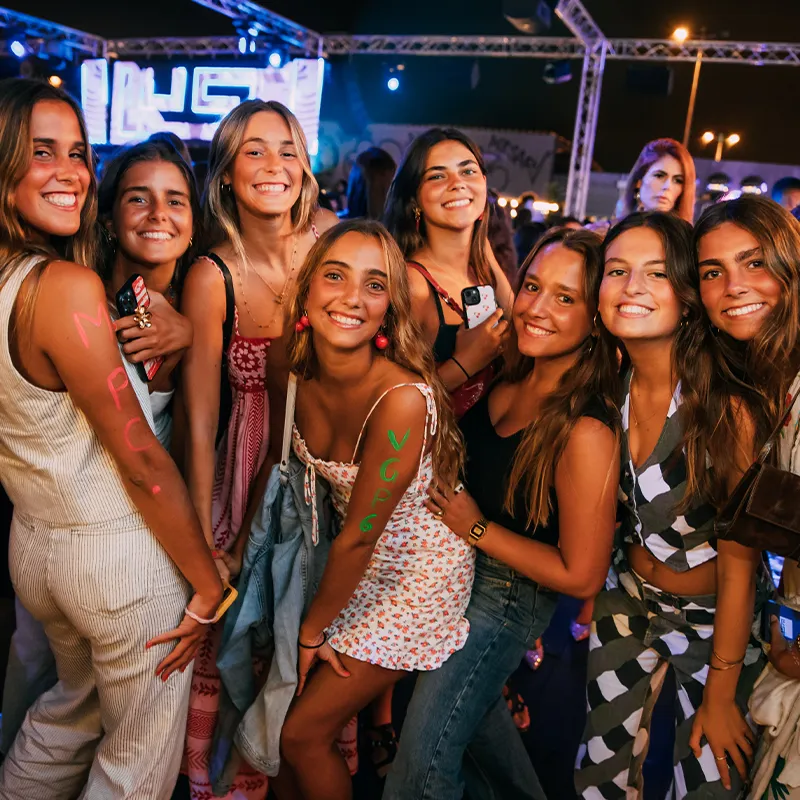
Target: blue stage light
(18,48)
(275,59)
(393,84)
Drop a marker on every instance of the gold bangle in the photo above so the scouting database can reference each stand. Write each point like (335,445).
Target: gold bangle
(728,664)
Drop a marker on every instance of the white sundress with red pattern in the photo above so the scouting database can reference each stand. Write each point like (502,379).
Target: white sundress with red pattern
(407,612)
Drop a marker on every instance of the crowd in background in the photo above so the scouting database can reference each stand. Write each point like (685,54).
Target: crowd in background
(266,461)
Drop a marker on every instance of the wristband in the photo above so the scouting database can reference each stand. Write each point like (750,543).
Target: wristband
(460,366)
(313,646)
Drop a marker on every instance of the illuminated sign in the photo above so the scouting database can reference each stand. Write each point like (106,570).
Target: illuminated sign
(191,100)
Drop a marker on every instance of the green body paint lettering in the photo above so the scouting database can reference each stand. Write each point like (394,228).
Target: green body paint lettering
(393,439)
(384,467)
(365,524)
(380,495)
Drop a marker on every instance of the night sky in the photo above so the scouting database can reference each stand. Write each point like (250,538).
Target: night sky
(759,103)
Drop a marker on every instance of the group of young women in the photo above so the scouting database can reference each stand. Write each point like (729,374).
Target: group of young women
(476,471)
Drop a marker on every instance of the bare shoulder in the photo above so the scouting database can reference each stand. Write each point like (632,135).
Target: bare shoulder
(590,440)
(405,405)
(325,219)
(70,285)
(204,278)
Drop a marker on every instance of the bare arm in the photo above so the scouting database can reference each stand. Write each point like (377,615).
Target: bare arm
(74,331)
(586,482)
(203,303)
(719,718)
(504,293)
(390,459)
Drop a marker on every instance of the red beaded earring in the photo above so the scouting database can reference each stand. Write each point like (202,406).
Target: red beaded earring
(302,323)
(381,340)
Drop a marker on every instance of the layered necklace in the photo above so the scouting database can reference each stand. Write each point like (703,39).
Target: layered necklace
(278,297)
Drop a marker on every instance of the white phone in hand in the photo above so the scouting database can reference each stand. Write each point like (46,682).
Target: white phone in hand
(479,304)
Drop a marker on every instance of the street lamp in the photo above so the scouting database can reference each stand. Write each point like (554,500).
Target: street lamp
(680,35)
(722,140)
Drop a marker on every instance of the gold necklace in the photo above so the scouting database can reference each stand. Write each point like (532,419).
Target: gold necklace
(278,297)
(636,421)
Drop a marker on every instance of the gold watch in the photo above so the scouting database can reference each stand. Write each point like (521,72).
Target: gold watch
(478,531)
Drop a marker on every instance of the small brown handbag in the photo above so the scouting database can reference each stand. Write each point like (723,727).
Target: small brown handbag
(763,512)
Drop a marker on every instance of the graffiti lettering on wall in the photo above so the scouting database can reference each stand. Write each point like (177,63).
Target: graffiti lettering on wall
(516,162)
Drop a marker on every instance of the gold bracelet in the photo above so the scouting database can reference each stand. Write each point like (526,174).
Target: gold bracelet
(728,664)
(721,669)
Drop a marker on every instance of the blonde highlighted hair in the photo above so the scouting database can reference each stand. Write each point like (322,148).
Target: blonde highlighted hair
(407,345)
(18,240)
(220,214)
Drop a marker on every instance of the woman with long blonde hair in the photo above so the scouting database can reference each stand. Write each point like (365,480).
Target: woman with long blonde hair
(104,540)
(373,419)
(261,218)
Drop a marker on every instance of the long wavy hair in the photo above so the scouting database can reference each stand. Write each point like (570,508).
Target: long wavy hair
(151,150)
(402,202)
(593,377)
(651,153)
(710,395)
(18,241)
(769,362)
(407,346)
(220,214)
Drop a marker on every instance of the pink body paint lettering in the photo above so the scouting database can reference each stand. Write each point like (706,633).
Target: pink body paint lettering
(128,426)
(115,390)
(102,315)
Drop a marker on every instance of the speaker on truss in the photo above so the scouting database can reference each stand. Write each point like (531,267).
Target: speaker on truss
(530,16)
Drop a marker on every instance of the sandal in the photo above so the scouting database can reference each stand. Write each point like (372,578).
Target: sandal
(383,747)
(518,708)
(534,658)
(579,630)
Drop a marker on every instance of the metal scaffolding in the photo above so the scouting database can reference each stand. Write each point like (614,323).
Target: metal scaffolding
(50,34)
(589,44)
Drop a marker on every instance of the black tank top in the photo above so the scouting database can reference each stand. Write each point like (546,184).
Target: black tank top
(487,469)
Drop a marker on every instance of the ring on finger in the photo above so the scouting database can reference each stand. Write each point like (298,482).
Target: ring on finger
(438,514)
(458,488)
(720,758)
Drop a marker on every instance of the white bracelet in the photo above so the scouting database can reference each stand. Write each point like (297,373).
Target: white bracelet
(201,620)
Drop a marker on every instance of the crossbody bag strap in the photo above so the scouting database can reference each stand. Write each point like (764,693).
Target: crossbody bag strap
(767,448)
(288,422)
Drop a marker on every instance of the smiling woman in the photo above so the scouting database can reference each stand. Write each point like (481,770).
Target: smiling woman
(261,219)
(437,211)
(375,423)
(108,515)
(662,603)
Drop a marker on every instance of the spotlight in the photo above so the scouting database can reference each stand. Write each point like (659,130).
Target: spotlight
(55,80)
(502,202)
(18,48)
(513,213)
(556,72)
(514,203)
(393,84)
(248,33)
(707,137)
(275,59)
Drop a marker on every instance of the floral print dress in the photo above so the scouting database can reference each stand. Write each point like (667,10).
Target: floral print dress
(407,612)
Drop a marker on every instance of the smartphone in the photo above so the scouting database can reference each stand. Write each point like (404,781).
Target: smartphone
(478,303)
(788,619)
(131,296)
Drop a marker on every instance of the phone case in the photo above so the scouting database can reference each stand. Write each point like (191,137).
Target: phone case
(130,297)
(483,309)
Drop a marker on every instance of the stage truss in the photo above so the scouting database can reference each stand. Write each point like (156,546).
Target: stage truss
(589,45)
